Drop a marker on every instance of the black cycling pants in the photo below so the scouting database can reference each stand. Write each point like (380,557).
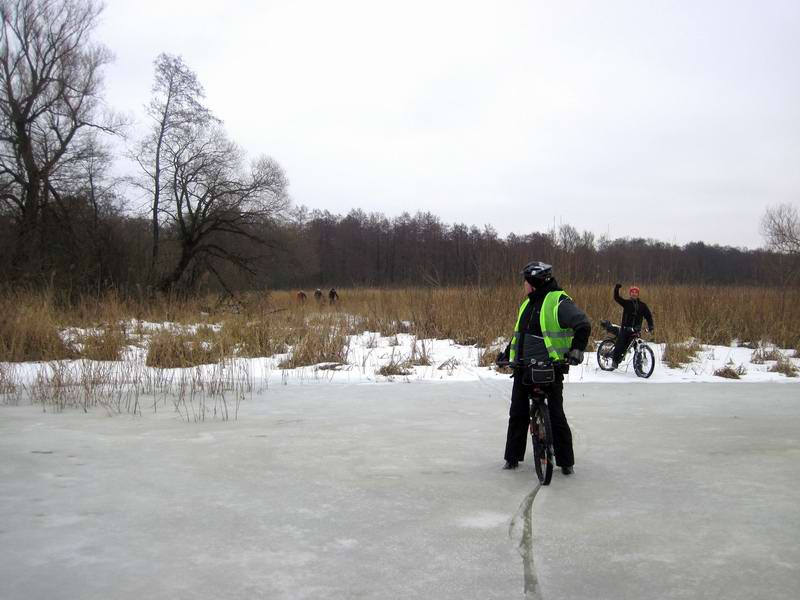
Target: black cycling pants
(519,422)
(623,341)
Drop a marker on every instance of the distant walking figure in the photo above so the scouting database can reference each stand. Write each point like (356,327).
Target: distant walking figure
(318,295)
(333,296)
(301,297)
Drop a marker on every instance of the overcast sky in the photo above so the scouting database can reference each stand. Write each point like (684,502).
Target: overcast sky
(678,120)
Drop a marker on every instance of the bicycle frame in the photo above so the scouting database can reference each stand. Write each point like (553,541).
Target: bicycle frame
(540,427)
(635,340)
(634,343)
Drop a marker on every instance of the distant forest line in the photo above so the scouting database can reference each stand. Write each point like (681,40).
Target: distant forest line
(309,249)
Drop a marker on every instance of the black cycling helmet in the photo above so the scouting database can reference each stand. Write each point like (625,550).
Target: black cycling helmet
(536,273)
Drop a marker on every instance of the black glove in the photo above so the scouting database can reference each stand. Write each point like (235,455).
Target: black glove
(504,355)
(575,356)
(617,286)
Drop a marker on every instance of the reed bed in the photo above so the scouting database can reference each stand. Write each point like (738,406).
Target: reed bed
(29,329)
(261,324)
(323,340)
(87,355)
(195,394)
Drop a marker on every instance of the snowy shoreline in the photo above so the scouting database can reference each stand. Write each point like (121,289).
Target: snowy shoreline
(369,352)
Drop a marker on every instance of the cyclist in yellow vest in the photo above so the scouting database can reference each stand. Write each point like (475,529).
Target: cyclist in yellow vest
(549,327)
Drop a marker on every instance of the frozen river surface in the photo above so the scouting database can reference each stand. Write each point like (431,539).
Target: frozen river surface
(395,491)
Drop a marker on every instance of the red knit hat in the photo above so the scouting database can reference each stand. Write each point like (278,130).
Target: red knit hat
(633,289)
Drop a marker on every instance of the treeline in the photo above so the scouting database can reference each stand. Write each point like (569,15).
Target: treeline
(86,249)
(197,213)
(360,249)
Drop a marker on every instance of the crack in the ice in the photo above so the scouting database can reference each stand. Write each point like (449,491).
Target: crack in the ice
(525,548)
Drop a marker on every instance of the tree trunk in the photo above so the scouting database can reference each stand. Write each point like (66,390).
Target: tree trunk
(187,254)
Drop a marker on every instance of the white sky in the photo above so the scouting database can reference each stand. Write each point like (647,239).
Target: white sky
(678,120)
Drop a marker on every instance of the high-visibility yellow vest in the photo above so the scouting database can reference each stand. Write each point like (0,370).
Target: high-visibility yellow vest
(557,340)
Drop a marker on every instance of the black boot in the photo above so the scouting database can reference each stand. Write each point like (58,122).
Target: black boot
(511,464)
(567,470)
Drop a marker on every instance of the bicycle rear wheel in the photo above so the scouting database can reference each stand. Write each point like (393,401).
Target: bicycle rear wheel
(605,354)
(542,438)
(644,361)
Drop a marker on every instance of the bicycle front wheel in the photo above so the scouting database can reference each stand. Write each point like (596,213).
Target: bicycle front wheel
(542,438)
(605,354)
(644,361)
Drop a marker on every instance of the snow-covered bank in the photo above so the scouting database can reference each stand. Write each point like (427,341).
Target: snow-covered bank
(367,357)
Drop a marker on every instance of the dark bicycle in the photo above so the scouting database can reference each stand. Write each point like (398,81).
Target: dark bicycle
(537,376)
(644,359)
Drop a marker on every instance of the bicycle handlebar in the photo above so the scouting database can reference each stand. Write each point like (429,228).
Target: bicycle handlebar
(607,325)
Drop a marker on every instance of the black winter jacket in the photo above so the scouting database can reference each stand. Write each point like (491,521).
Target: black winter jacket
(633,311)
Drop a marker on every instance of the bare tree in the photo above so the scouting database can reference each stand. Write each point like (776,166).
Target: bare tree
(212,197)
(780,226)
(175,108)
(85,174)
(50,85)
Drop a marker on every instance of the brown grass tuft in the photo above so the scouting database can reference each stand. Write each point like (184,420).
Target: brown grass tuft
(731,371)
(173,349)
(420,354)
(106,344)
(29,330)
(253,339)
(8,383)
(323,341)
(785,366)
(395,367)
(761,355)
(487,357)
(678,354)
(727,372)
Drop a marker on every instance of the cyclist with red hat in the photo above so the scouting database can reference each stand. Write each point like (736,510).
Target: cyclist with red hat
(633,312)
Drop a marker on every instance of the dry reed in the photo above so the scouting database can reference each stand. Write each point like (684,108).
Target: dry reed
(677,354)
(29,329)
(761,355)
(107,343)
(785,366)
(179,349)
(260,324)
(323,340)
(395,367)
(731,371)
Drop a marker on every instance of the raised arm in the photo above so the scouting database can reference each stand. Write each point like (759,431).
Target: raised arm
(617,297)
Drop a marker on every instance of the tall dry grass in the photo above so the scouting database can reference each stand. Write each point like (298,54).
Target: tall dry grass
(105,343)
(204,333)
(263,324)
(707,314)
(323,340)
(29,328)
(171,349)
(195,394)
